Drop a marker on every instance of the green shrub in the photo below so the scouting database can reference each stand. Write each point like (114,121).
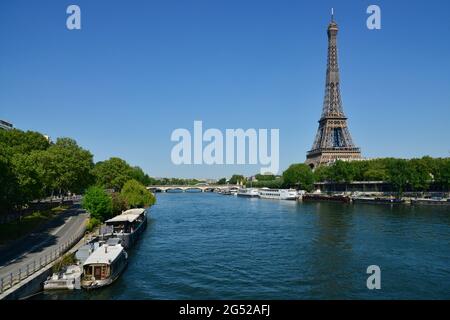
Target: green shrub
(136,195)
(119,203)
(92,224)
(98,203)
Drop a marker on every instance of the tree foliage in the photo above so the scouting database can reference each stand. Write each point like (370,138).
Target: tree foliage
(68,165)
(98,203)
(299,176)
(415,174)
(136,195)
(265,177)
(114,172)
(237,179)
(119,203)
(20,182)
(222,181)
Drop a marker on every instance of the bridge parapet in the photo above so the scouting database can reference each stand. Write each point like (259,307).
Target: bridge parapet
(184,188)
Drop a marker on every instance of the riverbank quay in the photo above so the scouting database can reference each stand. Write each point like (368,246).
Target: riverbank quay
(379,198)
(24,266)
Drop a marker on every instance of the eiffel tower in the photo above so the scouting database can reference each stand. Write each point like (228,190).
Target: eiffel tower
(333,141)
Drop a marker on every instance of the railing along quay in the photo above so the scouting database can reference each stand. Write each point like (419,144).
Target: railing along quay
(23,272)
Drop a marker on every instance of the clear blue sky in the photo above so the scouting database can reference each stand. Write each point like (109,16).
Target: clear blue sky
(139,69)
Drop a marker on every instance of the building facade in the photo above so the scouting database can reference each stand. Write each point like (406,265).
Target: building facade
(5,125)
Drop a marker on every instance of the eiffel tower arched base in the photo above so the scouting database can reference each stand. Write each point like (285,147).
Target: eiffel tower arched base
(316,158)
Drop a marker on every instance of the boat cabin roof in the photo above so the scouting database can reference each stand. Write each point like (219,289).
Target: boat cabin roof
(127,216)
(104,255)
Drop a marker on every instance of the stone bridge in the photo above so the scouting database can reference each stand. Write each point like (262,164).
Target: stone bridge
(184,188)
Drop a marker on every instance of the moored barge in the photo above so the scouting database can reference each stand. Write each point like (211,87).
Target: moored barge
(127,226)
(434,202)
(322,197)
(377,200)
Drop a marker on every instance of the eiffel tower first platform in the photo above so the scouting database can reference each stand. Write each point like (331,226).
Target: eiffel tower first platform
(333,141)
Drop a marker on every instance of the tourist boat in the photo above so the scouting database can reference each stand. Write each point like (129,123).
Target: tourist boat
(127,226)
(377,200)
(426,201)
(104,265)
(322,197)
(278,194)
(248,192)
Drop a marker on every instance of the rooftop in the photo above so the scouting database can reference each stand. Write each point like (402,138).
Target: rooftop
(104,254)
(129,215)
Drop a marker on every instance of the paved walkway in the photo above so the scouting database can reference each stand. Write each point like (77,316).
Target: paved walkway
(42,243)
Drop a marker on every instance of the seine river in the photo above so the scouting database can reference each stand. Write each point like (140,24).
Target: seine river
(210,246)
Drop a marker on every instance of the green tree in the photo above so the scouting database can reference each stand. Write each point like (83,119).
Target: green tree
(9,186)
(98,203)
(68,165)
(299,176)
(19,180)
(271,184)
(374,174)
(136,195)
(341,171)
(237,179)
(398,174)
(222,181)
(114,172)
(18,141)
(29,178)
(119,203)
(265,177)
(322,174)
(419,174)
(444,176)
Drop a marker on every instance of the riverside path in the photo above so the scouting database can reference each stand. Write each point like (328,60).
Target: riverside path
(27,255)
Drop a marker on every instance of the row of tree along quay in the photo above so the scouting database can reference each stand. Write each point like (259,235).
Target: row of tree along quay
(34,170)
(400,175)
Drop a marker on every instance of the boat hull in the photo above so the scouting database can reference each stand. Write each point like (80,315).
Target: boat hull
(129,239)
(314,197)
(423,202)
(378,201)
(247,195)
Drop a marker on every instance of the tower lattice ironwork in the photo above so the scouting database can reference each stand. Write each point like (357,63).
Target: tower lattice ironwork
(333,140)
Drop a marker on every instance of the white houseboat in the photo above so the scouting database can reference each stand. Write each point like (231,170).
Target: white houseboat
(104,265)
(278,194)
(127,226)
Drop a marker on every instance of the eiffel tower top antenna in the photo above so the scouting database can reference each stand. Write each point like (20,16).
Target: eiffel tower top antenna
(332,14)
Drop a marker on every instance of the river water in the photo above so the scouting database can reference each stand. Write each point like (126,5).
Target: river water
(211,246)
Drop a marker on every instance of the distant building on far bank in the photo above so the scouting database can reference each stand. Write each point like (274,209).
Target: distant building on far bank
(5,125)
(48,138)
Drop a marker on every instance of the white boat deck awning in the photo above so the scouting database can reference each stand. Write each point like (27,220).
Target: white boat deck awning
(127,216)
(104,255)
